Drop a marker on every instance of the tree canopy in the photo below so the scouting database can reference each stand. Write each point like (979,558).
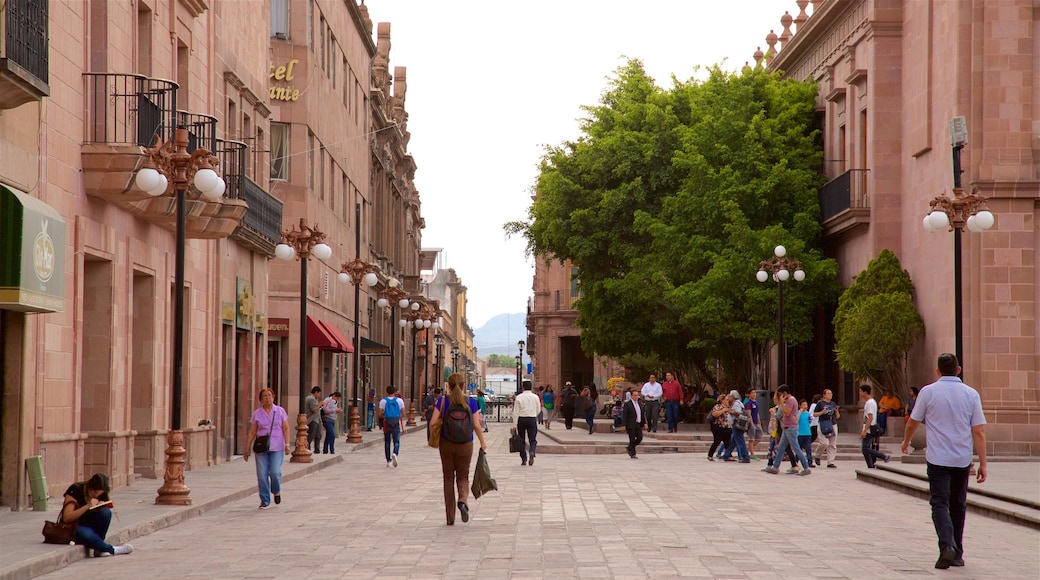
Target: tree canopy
(876,323)
(668,201)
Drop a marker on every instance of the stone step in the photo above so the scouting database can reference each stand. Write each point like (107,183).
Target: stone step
(983,502)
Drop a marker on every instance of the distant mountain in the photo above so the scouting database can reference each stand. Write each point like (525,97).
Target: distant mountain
(500,335)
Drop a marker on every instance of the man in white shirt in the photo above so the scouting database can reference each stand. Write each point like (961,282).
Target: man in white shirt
(652,391)
(526,407)
(956,426)
(870,431)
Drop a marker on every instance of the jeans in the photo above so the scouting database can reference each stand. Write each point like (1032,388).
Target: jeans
(805,443)
(330,436)
(653,411)
(455,459)
(528,426)
(93,527)
(590,417)
(269,474)
(789,440)
(948,487)
(671,414)
(736,441)
(882,422)
(869,453)
(392,434)
(314,434)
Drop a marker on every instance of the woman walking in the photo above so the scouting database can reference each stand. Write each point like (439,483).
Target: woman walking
(271,421)
(87,504)
(721,431)
(549,402)
(456,456)
(593,407)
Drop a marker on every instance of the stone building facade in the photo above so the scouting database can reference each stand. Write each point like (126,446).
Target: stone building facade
(281,93)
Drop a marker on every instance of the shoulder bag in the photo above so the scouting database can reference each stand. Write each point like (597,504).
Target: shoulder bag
(262,443)
(59,532)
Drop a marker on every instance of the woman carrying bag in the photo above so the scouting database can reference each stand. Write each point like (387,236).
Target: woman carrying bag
(269,439)
(88,506)
(452,429)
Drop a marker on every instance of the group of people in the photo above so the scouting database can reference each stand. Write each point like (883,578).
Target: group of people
(321,417)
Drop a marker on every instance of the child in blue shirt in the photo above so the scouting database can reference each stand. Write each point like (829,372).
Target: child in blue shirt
(804,430)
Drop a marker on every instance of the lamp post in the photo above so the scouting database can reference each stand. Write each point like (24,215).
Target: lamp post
(779,268)
(519,367)
(301,244)
(963,211)
(168,162)
(417,316)
(439,341)
(357,271)
(454,358)
(394,297)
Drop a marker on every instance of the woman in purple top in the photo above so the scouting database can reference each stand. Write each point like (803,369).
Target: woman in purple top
(269,419)
(455,457)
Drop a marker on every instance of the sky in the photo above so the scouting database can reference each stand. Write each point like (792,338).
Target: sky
(491,82)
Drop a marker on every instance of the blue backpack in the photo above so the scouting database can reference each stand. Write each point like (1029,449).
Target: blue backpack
(392,409)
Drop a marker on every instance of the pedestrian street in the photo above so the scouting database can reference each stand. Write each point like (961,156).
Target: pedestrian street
(663,515)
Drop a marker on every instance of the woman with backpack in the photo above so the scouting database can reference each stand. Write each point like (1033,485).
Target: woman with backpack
(458,415)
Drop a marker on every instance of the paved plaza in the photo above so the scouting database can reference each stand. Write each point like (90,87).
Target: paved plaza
(664,515)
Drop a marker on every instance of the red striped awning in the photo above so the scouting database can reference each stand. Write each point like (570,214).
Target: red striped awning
(324,336)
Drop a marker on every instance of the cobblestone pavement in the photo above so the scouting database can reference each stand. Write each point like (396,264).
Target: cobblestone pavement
(571,516)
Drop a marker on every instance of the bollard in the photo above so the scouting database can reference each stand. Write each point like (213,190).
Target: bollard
(37,483)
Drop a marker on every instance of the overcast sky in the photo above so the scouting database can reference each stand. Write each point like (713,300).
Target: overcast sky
(490,82)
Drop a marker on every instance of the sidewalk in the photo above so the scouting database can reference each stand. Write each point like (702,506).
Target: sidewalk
(24,555)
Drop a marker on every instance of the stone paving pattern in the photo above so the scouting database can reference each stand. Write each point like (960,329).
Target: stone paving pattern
(568,516)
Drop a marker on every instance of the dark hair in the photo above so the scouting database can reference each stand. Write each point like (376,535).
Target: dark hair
(334,394)
(948,364)
(527,385)
(816,398)
(390,389)
(783,389)
(914,390)
(99,481)
(438,391)
(865,388)
(315,390)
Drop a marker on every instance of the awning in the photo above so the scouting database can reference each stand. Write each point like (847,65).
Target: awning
(344,344)
(32,254)
(320,336)
(373,348)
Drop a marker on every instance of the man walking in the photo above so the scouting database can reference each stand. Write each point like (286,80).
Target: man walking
(312,406)
(754,433)
(634,418)
(391,409)
(673,398)
(568,400)
(789,439)
(953,412)
(526,408)
(870,431)
(651,393)
(828,413)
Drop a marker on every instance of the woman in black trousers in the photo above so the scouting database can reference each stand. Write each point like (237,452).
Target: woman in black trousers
(720,429)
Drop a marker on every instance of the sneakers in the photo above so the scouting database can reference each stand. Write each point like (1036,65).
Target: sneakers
(265,506)
(101,554)
(804,472)
(771,469)
(817,459)
(793,471)
(389,464)
(277,498)
(710,458)
(887,458)
(832,466)
(393,459)
(124,549)
(756,458)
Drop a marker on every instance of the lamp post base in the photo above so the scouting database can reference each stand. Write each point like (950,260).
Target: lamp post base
(173,491)
(355,426)
(411,415)
(302,452)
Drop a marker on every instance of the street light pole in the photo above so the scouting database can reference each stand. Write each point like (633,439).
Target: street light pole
(439,341)
(301,245)
(357,271)
(168,162)
(779,268)
(963,211)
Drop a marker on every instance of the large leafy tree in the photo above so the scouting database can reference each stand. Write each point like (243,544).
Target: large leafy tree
(668,201)
(876,323)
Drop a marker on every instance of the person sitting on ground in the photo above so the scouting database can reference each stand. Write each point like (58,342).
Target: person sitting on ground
(87,504)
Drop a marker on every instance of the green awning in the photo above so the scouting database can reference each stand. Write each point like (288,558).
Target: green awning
(32,254)
(373,348)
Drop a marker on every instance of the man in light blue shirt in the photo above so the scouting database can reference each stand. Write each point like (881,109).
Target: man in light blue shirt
(953,413)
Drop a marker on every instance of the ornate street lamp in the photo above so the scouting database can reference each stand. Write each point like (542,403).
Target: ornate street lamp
(454,358)
(394,297)
(779,268)
(963,211)
(519,364)
(439,341)
(417,316)
(168,162)
(300,245)
(357,271)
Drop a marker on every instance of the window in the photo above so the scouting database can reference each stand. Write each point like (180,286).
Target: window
(280,151)
(232,118)
(310,25)
(280,19)
(144,40)
(574,283)
(346,187)
(322,27)
(321,174)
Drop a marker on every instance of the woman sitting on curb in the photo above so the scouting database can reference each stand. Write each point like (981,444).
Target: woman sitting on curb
(87,504)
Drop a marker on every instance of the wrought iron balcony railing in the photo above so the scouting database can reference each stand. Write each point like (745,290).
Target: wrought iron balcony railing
(232,155)
(24,48)
(202,130)
(846,191)
(129,109)
(260,229)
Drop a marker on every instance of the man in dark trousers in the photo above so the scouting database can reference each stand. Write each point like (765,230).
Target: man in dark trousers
(952,412)
(634,417)
(568,400)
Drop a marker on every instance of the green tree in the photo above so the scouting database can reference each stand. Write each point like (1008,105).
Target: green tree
(500,360)
(876,323)
(667,203)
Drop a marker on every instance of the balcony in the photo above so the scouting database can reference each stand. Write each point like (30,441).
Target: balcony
(125,114)
(260,229)
(845,204)
(24,47)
